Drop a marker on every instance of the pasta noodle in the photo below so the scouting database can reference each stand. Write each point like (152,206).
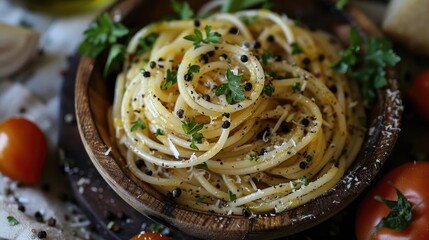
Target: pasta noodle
(236,113)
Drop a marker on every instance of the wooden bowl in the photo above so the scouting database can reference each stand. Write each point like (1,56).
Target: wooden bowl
(93,96)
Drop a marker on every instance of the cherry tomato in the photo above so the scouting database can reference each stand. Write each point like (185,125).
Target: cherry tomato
(411,180)
(418,95)
(22,150)
(150,236)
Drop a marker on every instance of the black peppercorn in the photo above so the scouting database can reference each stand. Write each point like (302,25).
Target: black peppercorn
(149,172)
(224,56)
(139,163)
(206,97)
(305,122)
(248,86)
(227,115)
(211,53)
(303,165)
(176,193)
(21,208)
(197,23)
(277,58)
(42,234)
(321,57)
(146,74)
(246,213)
(256,44)
(226,124)
(270,38)
(38,216)
(180,113)
(306,61)
(188,77)
(244,58)
(152,64)
(233,30)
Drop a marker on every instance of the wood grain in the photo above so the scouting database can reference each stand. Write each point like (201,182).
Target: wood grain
(94,96)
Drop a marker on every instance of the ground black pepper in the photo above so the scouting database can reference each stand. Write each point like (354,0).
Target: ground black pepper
(226,124)
(42,234)
(244,58)
(180,113)
(233,30)
(248,86)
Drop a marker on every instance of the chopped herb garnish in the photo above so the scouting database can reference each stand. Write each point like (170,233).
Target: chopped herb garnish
(237,5)
(268,90)
(304,181)
(145,44)
(400,215)
(341,4)
(191,70)
(252,158)
(308,158)
(200,198)
(182,9)
(12,221)
(266,56)
(232,196)
(139,124)
(104,34)
(197,38)
(159,132)
(232,89)
(371,72)
(296,87)
(170,79)
(204,166)
(296,48)
(191,128)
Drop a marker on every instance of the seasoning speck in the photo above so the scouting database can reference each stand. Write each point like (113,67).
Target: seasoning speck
(248,86)
(42,234)
(233,30)
(180,113)
(270,38)
(188,77)
(146,74)
(245,212)
(244,58)
(139,163)
(197,23)
(226,124)
(152,64)
(206,97)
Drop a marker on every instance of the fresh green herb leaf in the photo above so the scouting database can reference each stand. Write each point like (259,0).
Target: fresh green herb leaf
(159,132)
(268,90)
(308,158)
(12,221)
(371,72)
(116,54)
(232,196)
(200,199)
(139,124)
(104,34)
(193,69)
(304,181)
(266,56)
(146,44)
(296,48)
(155,228)
(191,128)
(182,9)
(296,87)
(252,158)
(248,20)
(204,166)
(197,38)
(170,79)
(232,89)
(237,5)
(400,215)
(341,4)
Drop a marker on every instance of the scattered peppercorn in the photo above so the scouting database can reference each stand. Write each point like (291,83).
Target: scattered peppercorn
(176,192)
(321,57)
(204,58)
(226,124)
(52,222)
(149,172)
(42,234)
(139,163)
(21,208)
(244,58)
(246,213)
(270,38)
(180,113)
(152,64)
(233,30)
(38,216)
(188,77)
(306,61)
(256,44)
(146,74)
(333,89)
(248,86)
(206,97)
(197,23)
(303,165)
(305,122)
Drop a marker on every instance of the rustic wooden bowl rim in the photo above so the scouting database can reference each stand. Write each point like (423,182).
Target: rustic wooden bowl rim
(212,226)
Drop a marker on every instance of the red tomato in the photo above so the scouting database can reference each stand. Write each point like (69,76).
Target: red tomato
(150,236)
(419,95)
(412,180)
(22,150)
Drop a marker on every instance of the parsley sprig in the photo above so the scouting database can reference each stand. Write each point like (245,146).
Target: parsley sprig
(400,215)
(138,124)
(232,196)
(198,39)
(231,89)
(170,79)
(12,221)
(371,71)
(268,90)
(296,48)
(182,9)
(192,129)
(105,34)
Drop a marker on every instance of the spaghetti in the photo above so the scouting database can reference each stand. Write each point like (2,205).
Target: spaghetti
(236,113)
